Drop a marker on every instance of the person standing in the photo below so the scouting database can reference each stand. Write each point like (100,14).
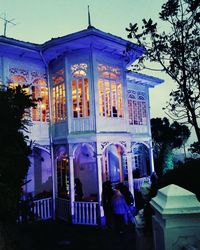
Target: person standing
(78,190)
(120,209)
(107,194)
(129,201)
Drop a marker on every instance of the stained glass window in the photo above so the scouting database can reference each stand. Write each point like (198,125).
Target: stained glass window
(58,77)
(108,71)
(110,91)
(80,91)
(79,70)
(137,108)
(59,96)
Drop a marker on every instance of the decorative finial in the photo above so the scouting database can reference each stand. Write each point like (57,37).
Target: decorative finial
(89,20)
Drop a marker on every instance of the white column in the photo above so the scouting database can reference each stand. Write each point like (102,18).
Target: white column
(71,184)
(130,172)
(54,182)
(99,173)
(151,157)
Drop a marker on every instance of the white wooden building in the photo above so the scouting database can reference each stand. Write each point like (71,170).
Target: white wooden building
(92,119)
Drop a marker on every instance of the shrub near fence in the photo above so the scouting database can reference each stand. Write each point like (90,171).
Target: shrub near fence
(35,210)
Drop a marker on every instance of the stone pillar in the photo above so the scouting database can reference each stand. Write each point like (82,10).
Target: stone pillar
(176,222)
(99,173)
(130,172)
(71,185)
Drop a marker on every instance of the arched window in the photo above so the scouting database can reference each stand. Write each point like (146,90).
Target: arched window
(59,96)
(137,110)
(141,159)
(34,83)
(110,91)
(80,91)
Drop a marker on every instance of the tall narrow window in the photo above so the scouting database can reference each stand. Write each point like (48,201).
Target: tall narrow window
(80,91)
(137,108)
(40,93)
(110,91)
(59,96)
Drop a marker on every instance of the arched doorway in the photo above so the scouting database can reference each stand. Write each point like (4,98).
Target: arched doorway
(140,164)
(114,167)
(62,173)
(85,169)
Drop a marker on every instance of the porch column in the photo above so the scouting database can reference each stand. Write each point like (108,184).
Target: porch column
(71,184)
(151,160)
(130,172)
(99,173)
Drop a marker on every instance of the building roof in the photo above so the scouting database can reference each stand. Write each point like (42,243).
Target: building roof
(143,79)
(79,40)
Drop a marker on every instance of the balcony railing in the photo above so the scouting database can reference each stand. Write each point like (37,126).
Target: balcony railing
(85,213)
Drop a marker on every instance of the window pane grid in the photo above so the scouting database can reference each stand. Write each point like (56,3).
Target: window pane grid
(80,98)
(39,92)
(110,98)
(59,96)
(137,108)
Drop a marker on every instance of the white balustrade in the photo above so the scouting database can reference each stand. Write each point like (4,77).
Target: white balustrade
(38,210)
(85,213)
(42,209)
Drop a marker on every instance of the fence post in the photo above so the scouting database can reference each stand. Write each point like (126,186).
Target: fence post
(176,222)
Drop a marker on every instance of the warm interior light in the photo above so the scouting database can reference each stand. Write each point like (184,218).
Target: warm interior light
(43,106)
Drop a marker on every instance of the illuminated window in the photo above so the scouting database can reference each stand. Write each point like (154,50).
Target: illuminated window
(110,91)
(80,91)
(137,108)
(40,93)
(34,84)
(59,96)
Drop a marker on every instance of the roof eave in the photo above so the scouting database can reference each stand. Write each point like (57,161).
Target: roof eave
(151,81)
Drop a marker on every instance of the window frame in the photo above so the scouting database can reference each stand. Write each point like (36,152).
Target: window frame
(59,101)
(137,108)
(27,79)
(110,91)
(80,91)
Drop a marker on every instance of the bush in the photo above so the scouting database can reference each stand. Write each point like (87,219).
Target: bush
(185,175)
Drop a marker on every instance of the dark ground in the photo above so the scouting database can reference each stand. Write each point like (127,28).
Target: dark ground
(59,235)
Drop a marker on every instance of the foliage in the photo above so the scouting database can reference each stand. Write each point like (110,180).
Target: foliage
(177,50)
(166,137)
(184,175)
(195,148)
(14,151)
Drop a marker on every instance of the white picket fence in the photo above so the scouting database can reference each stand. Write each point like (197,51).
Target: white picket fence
(85,213)
(38,210)
(42,209)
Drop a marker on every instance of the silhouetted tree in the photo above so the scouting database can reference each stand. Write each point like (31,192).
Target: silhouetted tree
(184,175)
(166,137)
(177,50)
(14,151)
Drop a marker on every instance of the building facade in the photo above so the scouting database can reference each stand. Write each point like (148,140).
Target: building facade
(92,119)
